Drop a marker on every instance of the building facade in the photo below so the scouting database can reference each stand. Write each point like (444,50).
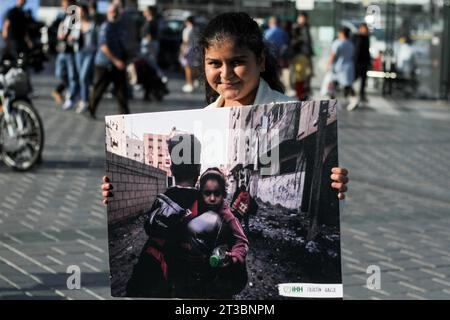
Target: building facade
(116,140)
(156,151)
(135,149)
(272,151)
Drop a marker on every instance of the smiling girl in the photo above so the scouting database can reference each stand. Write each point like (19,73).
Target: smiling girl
(238,71)
(238,68)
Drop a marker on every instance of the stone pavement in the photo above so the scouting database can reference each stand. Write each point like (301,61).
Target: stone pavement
(395,215)
(397,212)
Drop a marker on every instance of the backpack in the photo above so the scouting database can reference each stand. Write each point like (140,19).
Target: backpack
(165,215)
(241,205)
(165,218)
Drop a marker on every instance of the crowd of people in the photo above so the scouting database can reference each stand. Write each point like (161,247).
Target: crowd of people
(293,48)
(93,54)
(93,51)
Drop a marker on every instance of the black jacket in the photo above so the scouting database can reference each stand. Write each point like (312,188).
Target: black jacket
(148,278)
(362,53)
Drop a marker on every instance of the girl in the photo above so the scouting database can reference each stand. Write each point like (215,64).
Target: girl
(213,190)
(239,71)
(230,278)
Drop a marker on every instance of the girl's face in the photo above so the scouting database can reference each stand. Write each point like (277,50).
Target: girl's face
(233,72)
(212,195)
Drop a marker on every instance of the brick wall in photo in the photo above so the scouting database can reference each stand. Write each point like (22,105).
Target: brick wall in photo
(135,187)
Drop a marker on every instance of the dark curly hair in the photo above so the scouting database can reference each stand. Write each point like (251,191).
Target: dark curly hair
(245,32)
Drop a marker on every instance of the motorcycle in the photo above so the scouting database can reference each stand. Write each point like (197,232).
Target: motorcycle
(21,128)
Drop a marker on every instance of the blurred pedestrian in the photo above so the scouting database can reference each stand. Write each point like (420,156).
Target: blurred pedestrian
(301,73)
(85,46)
(342,65)
(362,58)
(404,57)
(110,62)
(150,39)
(150,29)
(277,38)
(65,66)
(94,15)
(302,51)
(286,56)
(15,31)
(187,52)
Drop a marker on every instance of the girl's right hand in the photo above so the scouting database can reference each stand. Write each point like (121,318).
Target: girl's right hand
(106,189)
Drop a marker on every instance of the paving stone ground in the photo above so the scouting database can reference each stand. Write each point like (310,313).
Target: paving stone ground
(396,215)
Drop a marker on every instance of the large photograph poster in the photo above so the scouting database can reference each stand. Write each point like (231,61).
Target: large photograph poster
(225,203)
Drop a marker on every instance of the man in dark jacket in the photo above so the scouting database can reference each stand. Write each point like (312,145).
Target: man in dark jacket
(301,41)
(110,62)
(362,57)
(302,44)
(15,30)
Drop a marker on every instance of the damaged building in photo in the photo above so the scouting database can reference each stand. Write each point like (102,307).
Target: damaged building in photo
(283,154)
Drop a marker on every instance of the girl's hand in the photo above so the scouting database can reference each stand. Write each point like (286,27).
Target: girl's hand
(231,260)
(340,180)
(106,189)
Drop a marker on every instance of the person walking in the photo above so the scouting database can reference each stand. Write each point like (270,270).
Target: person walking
(302,52)
(342,64)
(277,38)
(187,53)
(15,31)
(110,62)
(65,66)
(362,58)
(150,40)
(85,47)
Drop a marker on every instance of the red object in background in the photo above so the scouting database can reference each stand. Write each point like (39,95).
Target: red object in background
(377,64)
(300,89)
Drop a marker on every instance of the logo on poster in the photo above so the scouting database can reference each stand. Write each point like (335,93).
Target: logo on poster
(293,289)
(310,290)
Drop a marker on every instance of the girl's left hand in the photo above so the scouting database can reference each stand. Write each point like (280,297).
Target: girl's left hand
(231,259)
(340,180)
